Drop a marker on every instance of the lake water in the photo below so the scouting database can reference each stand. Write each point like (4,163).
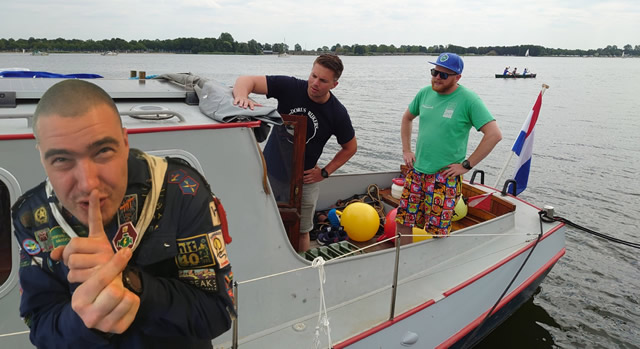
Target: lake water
(586,162)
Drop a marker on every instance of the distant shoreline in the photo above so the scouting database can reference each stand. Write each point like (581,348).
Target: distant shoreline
(309,53)
(226,44)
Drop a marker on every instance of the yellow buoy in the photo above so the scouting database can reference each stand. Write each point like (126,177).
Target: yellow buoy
(420,234)
(361,221)
(460,210)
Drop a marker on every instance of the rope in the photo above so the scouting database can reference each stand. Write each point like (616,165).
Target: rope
(323,319)
(470,338)
(546,218)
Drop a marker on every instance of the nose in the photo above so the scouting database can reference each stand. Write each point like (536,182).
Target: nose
(87,176)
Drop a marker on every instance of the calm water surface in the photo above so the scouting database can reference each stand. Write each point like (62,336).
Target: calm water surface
(586,163)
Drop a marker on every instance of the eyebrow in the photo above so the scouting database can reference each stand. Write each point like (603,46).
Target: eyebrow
(97,144)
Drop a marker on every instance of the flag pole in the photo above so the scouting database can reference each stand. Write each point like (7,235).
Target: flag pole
(504,168)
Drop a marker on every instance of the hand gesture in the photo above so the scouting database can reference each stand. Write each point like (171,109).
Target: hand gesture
(83,256)
(102,302)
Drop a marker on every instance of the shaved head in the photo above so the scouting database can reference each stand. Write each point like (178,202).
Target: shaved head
(72,98)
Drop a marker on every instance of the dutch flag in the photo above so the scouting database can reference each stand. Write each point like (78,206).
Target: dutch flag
(523,147)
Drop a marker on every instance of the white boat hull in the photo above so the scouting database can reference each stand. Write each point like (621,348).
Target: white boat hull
(445,285)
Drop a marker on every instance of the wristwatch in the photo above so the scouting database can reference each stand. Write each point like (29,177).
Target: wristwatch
(131,280)
(324,173)
(466,165)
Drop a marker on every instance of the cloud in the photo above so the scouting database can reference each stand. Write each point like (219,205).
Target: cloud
(558,23)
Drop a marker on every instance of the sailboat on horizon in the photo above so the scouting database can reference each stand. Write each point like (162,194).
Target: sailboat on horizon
(526,54)
(284,52)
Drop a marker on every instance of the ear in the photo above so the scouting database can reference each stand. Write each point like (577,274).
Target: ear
(125,137)
(40,153)
(335,83)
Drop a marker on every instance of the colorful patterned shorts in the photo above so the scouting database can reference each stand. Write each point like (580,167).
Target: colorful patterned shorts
(428,201)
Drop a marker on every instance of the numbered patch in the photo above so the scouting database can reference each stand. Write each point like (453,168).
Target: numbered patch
(194,252)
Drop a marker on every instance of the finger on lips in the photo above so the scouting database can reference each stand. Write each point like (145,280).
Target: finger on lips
(96,229)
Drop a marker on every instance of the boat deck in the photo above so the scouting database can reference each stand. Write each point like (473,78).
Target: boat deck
(474,216)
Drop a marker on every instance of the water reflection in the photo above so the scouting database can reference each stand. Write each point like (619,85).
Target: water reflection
(526,328)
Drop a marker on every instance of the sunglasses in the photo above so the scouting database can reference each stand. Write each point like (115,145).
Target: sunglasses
(443,75)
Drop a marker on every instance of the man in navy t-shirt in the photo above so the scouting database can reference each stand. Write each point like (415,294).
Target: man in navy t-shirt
(326,116)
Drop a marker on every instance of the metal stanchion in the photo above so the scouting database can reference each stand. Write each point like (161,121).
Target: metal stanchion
(234,344)
(394,287)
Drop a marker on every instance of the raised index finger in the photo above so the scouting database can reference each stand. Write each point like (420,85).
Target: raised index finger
(96,229)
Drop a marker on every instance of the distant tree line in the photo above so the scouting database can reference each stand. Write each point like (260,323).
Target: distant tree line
(225,44)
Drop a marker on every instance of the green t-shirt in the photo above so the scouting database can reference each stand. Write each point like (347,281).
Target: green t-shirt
(445,121)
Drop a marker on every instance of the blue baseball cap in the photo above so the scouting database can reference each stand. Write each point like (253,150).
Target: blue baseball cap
(450,61)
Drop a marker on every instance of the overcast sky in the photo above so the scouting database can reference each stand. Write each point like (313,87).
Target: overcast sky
(572,24)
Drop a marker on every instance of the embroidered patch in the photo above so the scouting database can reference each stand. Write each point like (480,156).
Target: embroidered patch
(204,279)
(25,261)
(31,246)
(219,248)
(51,263)
(215,216)
(128,210)
(58,237)
(27,219)
(43,239)
(37,261)
(228,284)
(194,252)
(40,215)
(125,237)
(176,176)
(189,186)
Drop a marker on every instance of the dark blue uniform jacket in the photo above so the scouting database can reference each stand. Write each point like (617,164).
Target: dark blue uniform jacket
(185,272)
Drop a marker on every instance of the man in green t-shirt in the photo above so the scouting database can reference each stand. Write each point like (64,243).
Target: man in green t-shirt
(447,111)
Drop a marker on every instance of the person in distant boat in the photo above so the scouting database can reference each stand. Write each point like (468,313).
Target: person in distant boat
(111,241)
(514,71)
(326,117)
(446,111)
(506,71)
(525,71)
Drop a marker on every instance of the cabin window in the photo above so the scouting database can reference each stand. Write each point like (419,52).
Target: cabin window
(180,154)
(5,233)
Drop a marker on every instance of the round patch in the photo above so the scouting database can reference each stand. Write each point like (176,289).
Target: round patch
(31,246)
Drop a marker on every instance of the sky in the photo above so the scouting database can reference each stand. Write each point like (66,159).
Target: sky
(570,24)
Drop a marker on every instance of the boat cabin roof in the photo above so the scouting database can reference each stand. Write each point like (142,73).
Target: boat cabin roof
(143,104)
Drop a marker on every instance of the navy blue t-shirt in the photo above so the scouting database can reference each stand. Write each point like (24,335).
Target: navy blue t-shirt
(323,120)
